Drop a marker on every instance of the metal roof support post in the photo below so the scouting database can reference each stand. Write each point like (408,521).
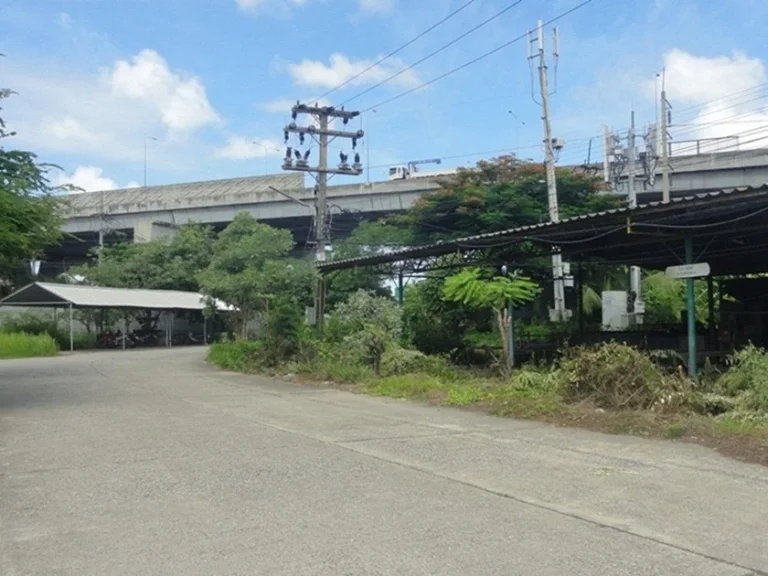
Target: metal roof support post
(691,308)
(205,330)
(711,312)
(71,329)
(125,328)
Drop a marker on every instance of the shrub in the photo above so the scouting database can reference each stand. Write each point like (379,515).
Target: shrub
(331,361)
(399,361)
(283,331)
(746,379)
(364,309)
(370,323)
(43,323)
(238,355)
(545,380)
(24,345)
(615,376)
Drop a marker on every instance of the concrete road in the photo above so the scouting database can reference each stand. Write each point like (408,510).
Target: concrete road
(150,462)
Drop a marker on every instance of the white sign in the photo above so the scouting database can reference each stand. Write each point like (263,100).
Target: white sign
(699,270)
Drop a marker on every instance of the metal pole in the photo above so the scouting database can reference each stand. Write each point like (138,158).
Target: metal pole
(71,330)
(400,288)
(554,212)
(691,307)
(322,189)
(205,330)
(664,147)
(580,280)
(125,330)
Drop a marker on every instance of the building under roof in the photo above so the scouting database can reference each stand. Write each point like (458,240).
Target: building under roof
(725,229)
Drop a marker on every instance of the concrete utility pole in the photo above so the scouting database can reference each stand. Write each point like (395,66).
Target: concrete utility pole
(664,142)
(635,277)
(558,314)
(322,135)
(101,225)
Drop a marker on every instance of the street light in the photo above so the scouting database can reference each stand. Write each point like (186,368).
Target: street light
(266,150)
(146,139)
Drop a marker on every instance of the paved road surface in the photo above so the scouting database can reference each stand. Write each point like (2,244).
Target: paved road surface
(150,462)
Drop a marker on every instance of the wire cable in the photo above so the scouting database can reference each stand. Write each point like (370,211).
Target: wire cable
(478,58)
(435,52)
(398,50)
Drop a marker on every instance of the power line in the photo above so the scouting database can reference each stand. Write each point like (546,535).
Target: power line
(400,49)
(431,54)
(477,59)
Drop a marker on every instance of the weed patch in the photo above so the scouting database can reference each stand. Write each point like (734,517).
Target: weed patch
(23,345)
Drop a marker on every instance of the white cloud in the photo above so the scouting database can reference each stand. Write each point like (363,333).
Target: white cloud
(70,130)
(90,179)
(341,68)
(696,79)
(107,114)
(182,102)
(244,148)
(722,90)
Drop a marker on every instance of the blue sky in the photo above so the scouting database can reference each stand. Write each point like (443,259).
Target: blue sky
(207,78)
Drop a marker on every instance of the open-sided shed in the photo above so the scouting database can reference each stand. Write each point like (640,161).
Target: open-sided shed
(75,296)
(725,229)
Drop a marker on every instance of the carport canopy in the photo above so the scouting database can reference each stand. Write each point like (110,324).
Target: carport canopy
(50,295)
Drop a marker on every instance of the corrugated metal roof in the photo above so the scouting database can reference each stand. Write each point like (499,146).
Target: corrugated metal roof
(171,196)
(451,245)
(44,293)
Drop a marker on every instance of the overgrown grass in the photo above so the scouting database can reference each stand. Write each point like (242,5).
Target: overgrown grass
(41,323)
(238,356)
(23,345)
(609,388)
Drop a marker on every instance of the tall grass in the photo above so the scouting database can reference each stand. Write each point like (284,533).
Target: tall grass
(23,345)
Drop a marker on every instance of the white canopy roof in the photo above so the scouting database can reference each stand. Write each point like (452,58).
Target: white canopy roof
(44,294)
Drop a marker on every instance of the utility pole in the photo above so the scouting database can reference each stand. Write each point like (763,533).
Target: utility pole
(101,226)
(664,141)
(635,277)
(322,135)
(558,314)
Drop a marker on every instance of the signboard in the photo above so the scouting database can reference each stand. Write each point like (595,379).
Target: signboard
(699,270)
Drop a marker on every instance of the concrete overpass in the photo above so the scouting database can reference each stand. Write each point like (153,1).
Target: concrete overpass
(144,214)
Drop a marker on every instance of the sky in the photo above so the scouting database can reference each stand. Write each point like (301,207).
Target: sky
(205,86)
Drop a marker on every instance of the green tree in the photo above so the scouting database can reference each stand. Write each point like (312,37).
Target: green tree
(165,264)
(499,194)
(367,239)
(665,299)
(29,217)
(370,322)
(249,268)
(496,195)
(473,289)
